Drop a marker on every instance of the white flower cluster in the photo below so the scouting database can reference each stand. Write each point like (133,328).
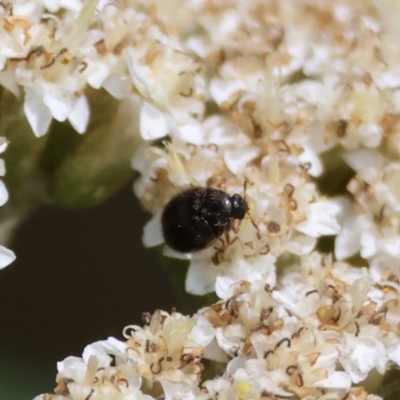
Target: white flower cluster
(161,358)
(51,59)
(371,225)
(322,328)
(6,255)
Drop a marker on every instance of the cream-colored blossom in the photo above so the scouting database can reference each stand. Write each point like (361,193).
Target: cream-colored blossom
(52,60)
(7,256)
(373,220)
(101,373)
(286,210)
(259,50)
(299,335)
(168,351)
(160,359)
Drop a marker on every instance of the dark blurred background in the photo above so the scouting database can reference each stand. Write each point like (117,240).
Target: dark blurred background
(79,277)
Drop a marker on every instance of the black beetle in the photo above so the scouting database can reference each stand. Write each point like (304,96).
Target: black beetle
(194,219)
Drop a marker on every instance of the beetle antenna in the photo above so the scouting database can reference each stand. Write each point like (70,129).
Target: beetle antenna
(245,183)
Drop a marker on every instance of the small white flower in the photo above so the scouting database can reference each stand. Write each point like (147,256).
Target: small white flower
(54,6)
(37,113)
(321,219)
(360,356)
(153,124)
(6,257)
(152,234)
(3,193)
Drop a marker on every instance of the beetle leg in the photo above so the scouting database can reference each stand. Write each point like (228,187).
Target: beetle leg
(235,226)
(256,227)
(236,238)
(227,238)
(215,258)
(222,243)
(265,249)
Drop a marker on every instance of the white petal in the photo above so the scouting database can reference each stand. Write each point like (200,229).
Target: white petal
(347,243)
(152,232)
(317,142)
(236,160)
(96,350)
(321,219)
(203,332)
(137,71)
(301,245)
(3,145)
(308,156)
(103,349)
(378,267)
(74,5)
(196,44)
(217,385)
(360,356)
(153,124)
(7,80)
(372,134)
(174,389)
(3,193)
(222,286)
(79,115)
(215,353)
(96,74)
(2,167)
(336,380)
(391,246)
(38,115)
(369,244)
(168,252)
(6,257)
(192,133)
(32,9)
(118,86)
(393,352)
(222,91)
(198,279)
(221,132)
(58,102)
(74,364)
(51,5)
(365,162)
